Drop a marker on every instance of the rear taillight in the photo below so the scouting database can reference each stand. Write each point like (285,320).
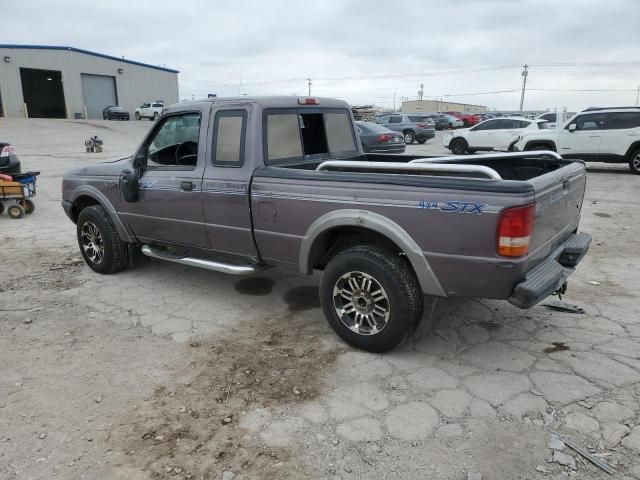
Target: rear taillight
(421,125)
(8,151)
(385,137)
(514,231)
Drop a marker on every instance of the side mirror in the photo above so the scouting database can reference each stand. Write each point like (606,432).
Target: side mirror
(572,127)
(129,186)
(138,162)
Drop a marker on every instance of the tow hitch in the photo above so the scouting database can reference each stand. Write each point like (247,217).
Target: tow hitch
(561,291)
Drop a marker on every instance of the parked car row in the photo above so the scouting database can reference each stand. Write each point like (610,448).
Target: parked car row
(493,134)
(150,110)
(610,135)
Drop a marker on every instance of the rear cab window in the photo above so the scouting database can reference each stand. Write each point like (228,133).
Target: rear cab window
(301,134)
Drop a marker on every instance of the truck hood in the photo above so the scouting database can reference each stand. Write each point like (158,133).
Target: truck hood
(103,169)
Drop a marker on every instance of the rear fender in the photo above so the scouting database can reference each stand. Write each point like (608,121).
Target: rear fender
(382,225)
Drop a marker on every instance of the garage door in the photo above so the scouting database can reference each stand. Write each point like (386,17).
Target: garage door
(99,91)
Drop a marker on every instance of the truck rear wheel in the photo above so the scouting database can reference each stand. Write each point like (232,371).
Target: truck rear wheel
(99,242)
(371,298)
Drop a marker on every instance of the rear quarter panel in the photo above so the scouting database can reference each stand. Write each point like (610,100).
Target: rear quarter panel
(456,230)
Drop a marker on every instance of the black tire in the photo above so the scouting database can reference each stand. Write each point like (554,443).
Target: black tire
(115,255)
(421,142)
(28,205)
(138,117)
(1,208)
(15,211)
(458,146)
(634,162)
(450,126)
(471,151)
(155,116)
(403,300)
(538,147)
(409,137)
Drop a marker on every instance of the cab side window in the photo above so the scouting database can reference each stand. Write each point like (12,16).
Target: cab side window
(228,138)
(175,142)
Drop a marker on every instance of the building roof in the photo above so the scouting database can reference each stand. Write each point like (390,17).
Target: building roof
(87,52)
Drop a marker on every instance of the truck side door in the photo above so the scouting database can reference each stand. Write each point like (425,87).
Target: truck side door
(226,183)
(169,208)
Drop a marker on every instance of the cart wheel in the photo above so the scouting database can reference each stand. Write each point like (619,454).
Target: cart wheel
(28,205)
(16,211)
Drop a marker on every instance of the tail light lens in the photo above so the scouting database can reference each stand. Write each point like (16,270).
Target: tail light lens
(7,151)
(514,231)
(385,137)
(421,125)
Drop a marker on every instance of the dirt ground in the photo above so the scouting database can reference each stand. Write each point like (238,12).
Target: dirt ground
(166,372)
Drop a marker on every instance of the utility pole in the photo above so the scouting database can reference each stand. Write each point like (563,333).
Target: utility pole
(637,95)
(421,91)
(309,83)
(524,74)
(394,101)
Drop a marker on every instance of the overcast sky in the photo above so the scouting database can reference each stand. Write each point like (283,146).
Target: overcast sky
(361,50)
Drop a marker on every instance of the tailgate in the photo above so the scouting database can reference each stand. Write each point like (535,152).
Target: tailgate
(558,197)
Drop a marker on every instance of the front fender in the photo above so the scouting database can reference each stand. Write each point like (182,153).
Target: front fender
(88,191)
(380,224)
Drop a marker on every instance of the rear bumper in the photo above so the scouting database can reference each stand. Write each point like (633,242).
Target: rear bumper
(552,274)
(393,148)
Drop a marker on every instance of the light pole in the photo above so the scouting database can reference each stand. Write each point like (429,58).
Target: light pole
(637,95)
(524,74)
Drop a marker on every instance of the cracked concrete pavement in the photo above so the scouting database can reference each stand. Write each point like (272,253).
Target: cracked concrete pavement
(198,373)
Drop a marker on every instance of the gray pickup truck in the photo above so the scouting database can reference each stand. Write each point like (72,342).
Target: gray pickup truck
(238,184)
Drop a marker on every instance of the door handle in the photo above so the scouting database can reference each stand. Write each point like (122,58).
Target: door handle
(594,136)
(186,186)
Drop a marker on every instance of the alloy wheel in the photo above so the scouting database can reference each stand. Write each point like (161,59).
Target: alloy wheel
(92,242)
(361,303)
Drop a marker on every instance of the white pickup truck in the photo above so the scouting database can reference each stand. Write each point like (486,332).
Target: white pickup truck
(150,110)
(595,135)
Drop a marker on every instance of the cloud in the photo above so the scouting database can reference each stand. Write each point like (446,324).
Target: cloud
(243,47)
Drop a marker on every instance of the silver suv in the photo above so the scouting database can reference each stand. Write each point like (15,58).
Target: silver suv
(414,127)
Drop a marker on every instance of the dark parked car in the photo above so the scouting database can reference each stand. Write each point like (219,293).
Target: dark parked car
(9,162)
(441,121)
(378,139)
(114,112)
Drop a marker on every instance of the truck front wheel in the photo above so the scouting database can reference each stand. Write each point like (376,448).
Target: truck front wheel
(371,298)
(99,242)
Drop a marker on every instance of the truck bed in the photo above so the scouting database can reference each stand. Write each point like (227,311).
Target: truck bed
(464,267)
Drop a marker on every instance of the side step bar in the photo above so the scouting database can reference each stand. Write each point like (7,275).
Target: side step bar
(229,268)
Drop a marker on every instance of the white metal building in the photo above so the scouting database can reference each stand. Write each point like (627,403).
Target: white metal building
(416,106)
(64,82)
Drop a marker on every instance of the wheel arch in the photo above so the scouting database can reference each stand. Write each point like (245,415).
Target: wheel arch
(340,229)
(86,196)
(541,143)
(632,149)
